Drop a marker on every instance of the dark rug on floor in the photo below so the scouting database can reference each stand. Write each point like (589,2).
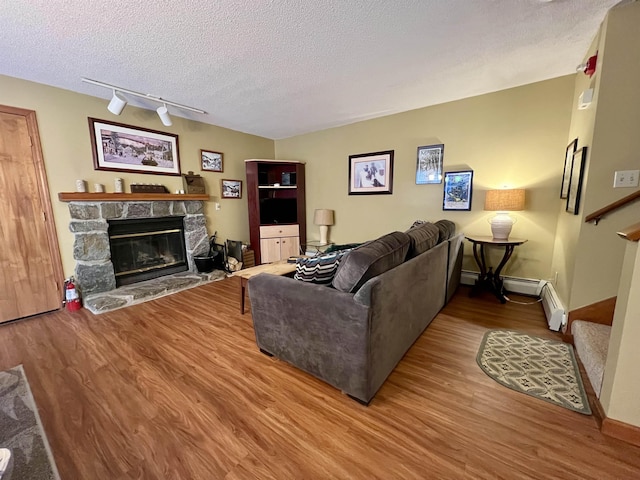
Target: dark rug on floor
(542,368)
(21,430)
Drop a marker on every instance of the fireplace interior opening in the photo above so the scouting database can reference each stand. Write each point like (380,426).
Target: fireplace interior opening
(142,249)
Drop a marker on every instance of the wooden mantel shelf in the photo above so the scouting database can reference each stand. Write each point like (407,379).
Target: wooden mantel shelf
(127,197)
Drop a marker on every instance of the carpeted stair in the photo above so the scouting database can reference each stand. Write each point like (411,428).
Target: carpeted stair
(591,341)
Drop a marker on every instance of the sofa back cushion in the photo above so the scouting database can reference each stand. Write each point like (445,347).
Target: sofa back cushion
(422,238)
(370,260)
(320,269)
(344,246)
(447,229)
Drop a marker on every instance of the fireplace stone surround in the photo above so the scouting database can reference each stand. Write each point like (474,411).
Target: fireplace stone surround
(94,271)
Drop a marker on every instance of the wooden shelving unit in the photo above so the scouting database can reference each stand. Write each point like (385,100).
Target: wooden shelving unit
(127,197)
(275,236)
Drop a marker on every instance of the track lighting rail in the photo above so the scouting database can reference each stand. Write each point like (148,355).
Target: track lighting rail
(148,96)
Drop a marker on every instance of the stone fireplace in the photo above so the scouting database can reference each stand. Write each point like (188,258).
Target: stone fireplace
(94,270)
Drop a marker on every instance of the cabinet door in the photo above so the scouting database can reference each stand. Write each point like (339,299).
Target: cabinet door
(289,246)
(270,250)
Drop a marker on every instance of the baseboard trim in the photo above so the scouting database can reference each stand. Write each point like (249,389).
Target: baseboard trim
(620,430)
(608,426)
(598,411)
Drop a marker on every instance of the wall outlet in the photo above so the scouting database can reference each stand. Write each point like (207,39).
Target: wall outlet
(626,178)
(217,205)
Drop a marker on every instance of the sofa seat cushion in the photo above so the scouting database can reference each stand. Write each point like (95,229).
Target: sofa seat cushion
(370,260)
(447,229)
(320,269)
(422,238)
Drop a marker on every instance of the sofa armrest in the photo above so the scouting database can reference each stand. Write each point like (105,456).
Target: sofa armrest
(454,264)
(316,328)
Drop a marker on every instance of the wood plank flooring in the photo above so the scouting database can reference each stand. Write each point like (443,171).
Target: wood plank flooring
(176,388)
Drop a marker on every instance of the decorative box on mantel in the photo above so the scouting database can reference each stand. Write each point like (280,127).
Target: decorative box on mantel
(89,215)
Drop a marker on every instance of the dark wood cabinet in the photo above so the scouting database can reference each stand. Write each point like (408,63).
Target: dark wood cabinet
(276,197)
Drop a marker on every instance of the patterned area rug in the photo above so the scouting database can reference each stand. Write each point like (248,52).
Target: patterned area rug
(21,430)
(544,369)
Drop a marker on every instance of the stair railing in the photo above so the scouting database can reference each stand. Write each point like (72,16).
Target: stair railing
(631,233)
(596,216)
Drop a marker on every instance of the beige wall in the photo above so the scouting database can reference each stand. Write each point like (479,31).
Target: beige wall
(620,386)
(514,137)
(64,131)
(569,225)
(616,130)
(614,123)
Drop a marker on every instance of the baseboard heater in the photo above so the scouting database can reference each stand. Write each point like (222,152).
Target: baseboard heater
(553,308)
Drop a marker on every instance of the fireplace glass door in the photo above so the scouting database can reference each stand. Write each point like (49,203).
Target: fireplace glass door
(143,249)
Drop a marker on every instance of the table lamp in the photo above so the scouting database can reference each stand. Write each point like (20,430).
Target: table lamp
(503,201)
(323,217)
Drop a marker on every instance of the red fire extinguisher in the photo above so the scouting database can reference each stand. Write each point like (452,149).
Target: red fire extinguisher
(71,295)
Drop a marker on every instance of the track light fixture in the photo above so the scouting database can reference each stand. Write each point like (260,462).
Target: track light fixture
(118,102)
(163,113)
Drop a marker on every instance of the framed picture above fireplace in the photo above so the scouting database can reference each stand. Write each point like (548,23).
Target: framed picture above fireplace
(124,148)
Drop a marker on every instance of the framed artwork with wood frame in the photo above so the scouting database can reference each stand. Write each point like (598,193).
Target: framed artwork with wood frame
(371,173)
(211,161)
(566,174)
(231,188)
(124,148)
(575,181)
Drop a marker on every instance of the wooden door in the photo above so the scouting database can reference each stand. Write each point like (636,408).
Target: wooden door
(30,266)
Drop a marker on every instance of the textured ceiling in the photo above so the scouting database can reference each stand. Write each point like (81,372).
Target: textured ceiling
(279,68)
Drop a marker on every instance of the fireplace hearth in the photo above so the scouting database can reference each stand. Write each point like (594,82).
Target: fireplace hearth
(147,248)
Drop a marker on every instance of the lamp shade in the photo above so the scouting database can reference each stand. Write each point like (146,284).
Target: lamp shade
(323,216)
(504,200)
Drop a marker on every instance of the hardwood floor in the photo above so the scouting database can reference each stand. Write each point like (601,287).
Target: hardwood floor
(176,388)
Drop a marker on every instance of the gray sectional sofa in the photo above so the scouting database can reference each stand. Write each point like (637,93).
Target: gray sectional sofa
(353,333)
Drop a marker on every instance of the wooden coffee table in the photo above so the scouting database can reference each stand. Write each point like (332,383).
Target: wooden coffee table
(276,268)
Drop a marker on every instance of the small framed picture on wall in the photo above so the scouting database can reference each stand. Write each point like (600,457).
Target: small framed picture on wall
(568,161)
(211,161)
(371,173)
(575,181)
(231,189)
(458,188)
(429,164)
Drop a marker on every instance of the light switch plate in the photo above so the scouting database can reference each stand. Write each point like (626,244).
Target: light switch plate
(626,178)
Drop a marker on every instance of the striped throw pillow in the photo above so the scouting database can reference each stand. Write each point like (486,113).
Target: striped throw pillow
(319,269)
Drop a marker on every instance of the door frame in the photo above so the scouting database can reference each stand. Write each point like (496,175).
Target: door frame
(43,191)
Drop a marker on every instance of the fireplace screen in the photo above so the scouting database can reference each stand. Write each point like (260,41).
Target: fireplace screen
(147,248)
